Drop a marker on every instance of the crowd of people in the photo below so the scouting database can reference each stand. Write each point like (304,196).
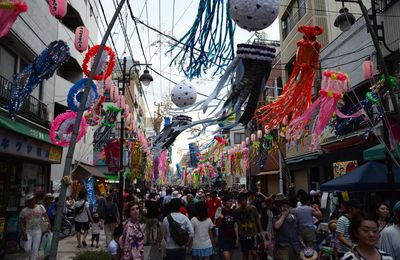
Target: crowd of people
(216,223)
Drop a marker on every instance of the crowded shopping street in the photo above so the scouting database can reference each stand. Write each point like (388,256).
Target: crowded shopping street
(202,129)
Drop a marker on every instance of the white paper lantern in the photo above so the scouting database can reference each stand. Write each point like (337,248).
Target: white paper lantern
(183,94)
(254,15)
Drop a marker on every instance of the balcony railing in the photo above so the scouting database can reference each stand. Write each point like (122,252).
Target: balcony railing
(33,108)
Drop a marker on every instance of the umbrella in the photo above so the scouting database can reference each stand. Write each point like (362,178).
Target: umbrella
(371,176)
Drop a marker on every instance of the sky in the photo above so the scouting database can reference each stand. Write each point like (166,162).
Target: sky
(175,18)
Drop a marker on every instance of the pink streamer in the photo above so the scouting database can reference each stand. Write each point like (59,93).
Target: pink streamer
(246,158)
(163,163)
(9,12)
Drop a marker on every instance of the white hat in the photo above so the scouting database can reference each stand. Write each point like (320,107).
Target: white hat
(29,196)
(176,195)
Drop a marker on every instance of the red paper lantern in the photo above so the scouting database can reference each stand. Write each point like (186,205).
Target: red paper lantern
(114,94)
(58,8)
(81,38)
(121,102)
(368,68)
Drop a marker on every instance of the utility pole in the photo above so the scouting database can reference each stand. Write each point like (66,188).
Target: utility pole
(68,161)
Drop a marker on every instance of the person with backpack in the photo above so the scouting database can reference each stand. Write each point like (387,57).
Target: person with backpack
(111,217)
(82,217)
(178,232)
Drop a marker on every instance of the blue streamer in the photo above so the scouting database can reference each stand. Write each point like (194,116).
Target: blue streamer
(179,170)
(210,40)
(42,68)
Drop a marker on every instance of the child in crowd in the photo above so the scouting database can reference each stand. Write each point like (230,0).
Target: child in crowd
(95,227)
(113,247)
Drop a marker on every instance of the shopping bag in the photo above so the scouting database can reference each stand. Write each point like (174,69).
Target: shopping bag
(27,244)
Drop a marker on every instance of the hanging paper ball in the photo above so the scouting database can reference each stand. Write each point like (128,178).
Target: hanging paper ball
(259,134)
(254,15)
(58,8)
(62,127)
(183,94)
(81,38)
(253,137)
(368,69)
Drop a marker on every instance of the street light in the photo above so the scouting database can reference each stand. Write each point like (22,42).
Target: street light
(345,19)
(146,78)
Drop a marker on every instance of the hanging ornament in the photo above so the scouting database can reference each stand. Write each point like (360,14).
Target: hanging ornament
(121,102)
(333,87)
(81,38)
(110,59)
(296,95)
(42,68)
(251,68)
(183,94)
(76,92)
(254,15)
(127,110)
(9,12)
(103,133)
(94,114)
(114,94)
(209,42)
(62,127)
(106,84)
(368,69)
(58,8)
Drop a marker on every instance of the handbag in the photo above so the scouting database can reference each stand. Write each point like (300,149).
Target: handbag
(44,225)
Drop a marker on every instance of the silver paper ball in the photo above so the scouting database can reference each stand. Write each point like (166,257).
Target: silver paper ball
(254,15)
(183,94)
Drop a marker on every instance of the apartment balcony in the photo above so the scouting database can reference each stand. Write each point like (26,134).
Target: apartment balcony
(32,109)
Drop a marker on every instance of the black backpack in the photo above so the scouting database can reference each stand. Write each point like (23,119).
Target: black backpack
(178,234)
(110,215)
(80,209)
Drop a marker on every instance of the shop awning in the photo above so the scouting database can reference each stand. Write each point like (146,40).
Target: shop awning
(303,157)
(24,129)
(268,173)
(83,171)
(377,152)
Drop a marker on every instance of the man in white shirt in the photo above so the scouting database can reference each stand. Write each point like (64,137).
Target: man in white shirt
(174,251)
(390,236)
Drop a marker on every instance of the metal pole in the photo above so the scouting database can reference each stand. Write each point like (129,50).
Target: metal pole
(121,145)
(381,60)
(276,94)
(71,148)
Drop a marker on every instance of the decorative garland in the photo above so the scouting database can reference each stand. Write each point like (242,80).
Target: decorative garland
(91,54)
(75,93)
(9,12)
(62,127)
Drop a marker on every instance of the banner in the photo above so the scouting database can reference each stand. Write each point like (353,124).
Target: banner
(89,186)
(112,151)
(340,168)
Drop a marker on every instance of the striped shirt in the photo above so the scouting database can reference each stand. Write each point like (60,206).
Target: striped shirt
(357,256)
(342,227)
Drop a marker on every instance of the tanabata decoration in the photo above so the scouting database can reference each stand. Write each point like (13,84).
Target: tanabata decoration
(81,38)
(333,86)
(254,15)
(58,8)
(114,94)
(136,158)
(113,154)
(168,135)
(183,94)
(110,59)
(209,42)
(296,95)
(62,127)
(94,114)
(179,170)
(75,94)
(194,151)
(251,68)
(9,12)
(103,133)
(42,68)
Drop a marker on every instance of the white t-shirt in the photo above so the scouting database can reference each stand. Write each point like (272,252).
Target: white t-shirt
(201,238)
(185,224)
(33,217)
(96,228)
(83,217)
(390,241)
(112,248)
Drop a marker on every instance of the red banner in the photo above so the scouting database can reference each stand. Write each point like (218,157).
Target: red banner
(112,151)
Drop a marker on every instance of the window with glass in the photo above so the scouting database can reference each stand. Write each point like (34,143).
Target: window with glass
(302,8)
(238,138)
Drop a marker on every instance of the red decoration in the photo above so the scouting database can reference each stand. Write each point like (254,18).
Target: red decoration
(112,151)
(368,68)
(296,95)
(81,38)
(91,54)
(58,8)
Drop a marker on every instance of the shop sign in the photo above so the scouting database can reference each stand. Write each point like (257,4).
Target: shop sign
(340,168)
(15,144)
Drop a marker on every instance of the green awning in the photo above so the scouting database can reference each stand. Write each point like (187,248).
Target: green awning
(301,158)
(112,177)
(24,129)
(377,152)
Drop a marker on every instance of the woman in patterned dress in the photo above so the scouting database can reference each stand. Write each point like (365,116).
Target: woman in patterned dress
(132,239)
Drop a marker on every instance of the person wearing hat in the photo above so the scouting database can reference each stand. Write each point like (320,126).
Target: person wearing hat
(287,242)
(390,236)
(30,220)
(51,207)
(342,227)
